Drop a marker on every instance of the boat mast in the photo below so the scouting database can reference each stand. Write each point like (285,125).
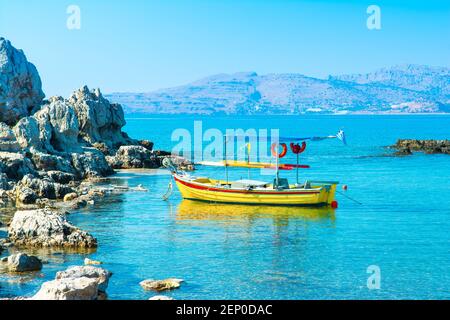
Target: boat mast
(277,169)
(225,158)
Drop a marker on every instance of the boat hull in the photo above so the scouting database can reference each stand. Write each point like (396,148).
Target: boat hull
(320,196)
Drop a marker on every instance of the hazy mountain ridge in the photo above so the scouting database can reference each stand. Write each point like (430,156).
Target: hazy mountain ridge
(400,89)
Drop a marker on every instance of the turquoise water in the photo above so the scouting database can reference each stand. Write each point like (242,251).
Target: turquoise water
(235,252)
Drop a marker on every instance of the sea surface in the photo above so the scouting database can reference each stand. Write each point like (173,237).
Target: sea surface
(400,224)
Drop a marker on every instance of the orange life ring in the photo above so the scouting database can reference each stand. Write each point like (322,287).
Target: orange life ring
(275,152)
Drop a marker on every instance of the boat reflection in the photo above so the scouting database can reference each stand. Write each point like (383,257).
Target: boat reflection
(197,210)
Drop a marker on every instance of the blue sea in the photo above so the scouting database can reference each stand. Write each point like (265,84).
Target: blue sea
(400,225)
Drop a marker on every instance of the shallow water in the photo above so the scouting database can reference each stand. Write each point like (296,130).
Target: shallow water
(248,252)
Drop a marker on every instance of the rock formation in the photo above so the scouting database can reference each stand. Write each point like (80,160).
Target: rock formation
(20,84)
(47,144)
(68,289)
(98,274)
(407,146)
(161,285)
(47,228)
(76,283)
(21,262)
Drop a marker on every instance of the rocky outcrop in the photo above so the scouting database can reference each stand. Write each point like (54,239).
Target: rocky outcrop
(46,228)
(407,146)
(91,164)
(15,165)
(8,141)
(76,283)
(20,84)
(21,262)
(68,289)
(43,188)
(133,157)
(99,120)
(100,275)
(161,285)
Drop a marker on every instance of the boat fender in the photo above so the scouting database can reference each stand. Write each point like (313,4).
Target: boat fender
(275,152)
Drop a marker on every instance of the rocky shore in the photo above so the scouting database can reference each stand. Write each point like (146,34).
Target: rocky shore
(51,152)
(408,146)
(47,147)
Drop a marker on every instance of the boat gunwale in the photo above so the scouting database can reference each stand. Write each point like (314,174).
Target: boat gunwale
(201,186)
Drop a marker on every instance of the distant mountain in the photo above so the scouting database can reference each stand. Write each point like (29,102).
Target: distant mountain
(400,89)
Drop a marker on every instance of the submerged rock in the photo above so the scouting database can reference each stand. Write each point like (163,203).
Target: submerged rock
(20,84)
(159,297)
(46,228)
(161,285)
(21,262)
(88,261)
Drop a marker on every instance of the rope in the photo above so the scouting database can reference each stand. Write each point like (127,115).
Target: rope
(169,191)
(341,193)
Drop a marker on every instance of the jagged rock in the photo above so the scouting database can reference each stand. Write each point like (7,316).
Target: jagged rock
(133,157)
(403,152)
(161,285)
(15,165)
(45,188)
(25,195)
(102,147)
(27,133)
(68,289)
(91,164)
(64,124)
(100,275)
(61,177)
(46,228)
(146,144)
(4,185)
(21,262)
(20,84)
(406,146)
(100,121)
(48,162)
(8,141)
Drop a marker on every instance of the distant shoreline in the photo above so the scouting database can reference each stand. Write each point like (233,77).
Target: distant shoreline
(193,115)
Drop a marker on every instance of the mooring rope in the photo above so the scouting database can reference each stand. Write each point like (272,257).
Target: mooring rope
(169,191)
(348,197)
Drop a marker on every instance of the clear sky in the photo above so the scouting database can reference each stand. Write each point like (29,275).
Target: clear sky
(145,45)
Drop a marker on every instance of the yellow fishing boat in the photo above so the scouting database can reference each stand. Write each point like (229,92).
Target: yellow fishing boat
(254,192)
(311,193)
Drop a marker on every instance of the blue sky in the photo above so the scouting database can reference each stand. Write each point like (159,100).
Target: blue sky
(146,45)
